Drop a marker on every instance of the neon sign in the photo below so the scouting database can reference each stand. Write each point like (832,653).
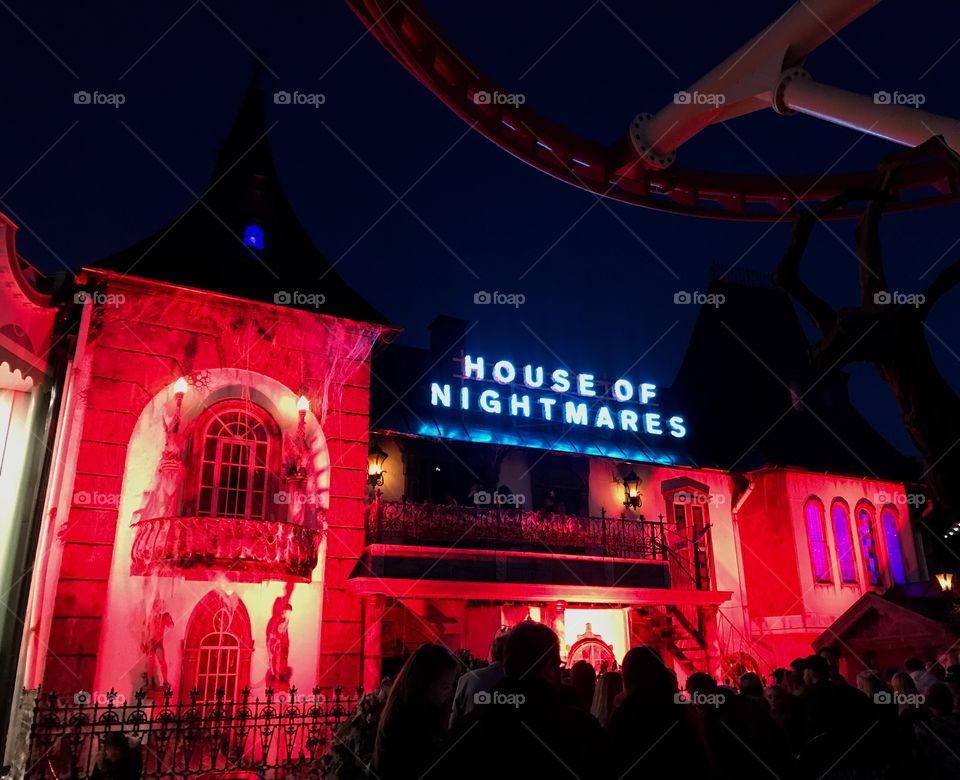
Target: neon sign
(559,396)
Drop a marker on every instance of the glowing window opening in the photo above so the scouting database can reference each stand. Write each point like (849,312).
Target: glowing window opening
(235,453)
(868,546)
(888,521)
(817,537)
(218,662)
(841,532)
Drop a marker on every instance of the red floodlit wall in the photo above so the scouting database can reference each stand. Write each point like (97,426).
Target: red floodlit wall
(768,549)
(141,337)
(790,600)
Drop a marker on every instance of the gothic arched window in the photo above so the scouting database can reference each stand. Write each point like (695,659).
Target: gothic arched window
(217,649)
(869,552)
(889,520)
(840,515)
(237,448)
(817,540)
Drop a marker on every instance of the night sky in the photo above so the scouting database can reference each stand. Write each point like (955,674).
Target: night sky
(84,181)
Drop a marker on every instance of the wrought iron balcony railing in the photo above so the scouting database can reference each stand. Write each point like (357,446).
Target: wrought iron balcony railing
(246,550)
(498,528)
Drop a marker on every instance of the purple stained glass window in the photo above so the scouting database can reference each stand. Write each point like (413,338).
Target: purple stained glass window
(819,553)
(868,546)
(888,519)
(844,537)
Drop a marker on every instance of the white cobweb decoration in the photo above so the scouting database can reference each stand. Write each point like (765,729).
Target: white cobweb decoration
(348,347)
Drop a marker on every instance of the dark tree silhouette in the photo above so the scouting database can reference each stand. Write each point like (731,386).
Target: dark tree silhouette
(890,335)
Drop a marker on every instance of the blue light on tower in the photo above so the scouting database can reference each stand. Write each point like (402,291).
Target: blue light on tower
(253,236)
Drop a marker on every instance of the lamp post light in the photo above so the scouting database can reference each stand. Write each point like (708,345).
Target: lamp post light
(303,406)
(631,490)
(945,581)
(375,466)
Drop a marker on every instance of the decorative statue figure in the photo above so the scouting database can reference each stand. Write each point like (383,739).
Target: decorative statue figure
(158,623)
(161,499)
(278,641)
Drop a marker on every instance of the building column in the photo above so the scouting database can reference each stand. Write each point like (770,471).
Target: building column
(373,610)
(711,639)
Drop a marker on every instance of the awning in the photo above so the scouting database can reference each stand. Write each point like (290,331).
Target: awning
(405,571)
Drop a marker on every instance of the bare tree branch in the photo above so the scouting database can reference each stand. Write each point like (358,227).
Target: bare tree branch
(935,148)
(873,279)
(946,281)
(787,274)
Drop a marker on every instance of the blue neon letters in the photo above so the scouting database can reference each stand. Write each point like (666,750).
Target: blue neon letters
(612,406)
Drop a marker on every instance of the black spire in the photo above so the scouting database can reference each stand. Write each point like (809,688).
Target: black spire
(244,239)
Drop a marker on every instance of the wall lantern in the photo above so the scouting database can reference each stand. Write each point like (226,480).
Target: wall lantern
(946,581)
(375,466)
(631,490)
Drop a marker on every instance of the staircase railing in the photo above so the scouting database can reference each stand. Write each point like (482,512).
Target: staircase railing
(746,644)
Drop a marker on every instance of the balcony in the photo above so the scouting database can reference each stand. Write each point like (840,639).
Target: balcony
(243,550)
(491,528)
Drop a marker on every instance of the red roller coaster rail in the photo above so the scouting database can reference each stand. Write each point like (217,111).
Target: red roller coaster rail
(409,33)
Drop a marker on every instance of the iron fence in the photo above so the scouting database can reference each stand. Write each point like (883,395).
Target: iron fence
(273,737)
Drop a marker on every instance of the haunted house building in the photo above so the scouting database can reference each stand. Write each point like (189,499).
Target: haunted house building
(210,496)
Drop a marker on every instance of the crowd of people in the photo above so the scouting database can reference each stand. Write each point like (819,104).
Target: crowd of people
(526,716)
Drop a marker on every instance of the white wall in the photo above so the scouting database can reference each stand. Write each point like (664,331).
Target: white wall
(121,662)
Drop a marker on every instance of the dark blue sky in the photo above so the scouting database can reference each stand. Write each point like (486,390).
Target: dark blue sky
(600,291)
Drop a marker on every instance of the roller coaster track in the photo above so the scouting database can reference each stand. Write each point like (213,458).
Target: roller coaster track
(618,171)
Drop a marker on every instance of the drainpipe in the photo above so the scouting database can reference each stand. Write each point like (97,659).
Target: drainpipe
(737,505)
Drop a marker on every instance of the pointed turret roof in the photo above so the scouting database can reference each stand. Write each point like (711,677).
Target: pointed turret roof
(243,238)
(752,397)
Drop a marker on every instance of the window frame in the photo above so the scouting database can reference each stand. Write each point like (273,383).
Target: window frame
(840,504)
(827,577)
(892,511)
(871,512)
(195,483)
(203,624)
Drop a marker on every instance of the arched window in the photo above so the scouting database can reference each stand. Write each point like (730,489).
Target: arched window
(866,530)
(237,447)
(840,515)
(817,538)
(217,649)
(891,538)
